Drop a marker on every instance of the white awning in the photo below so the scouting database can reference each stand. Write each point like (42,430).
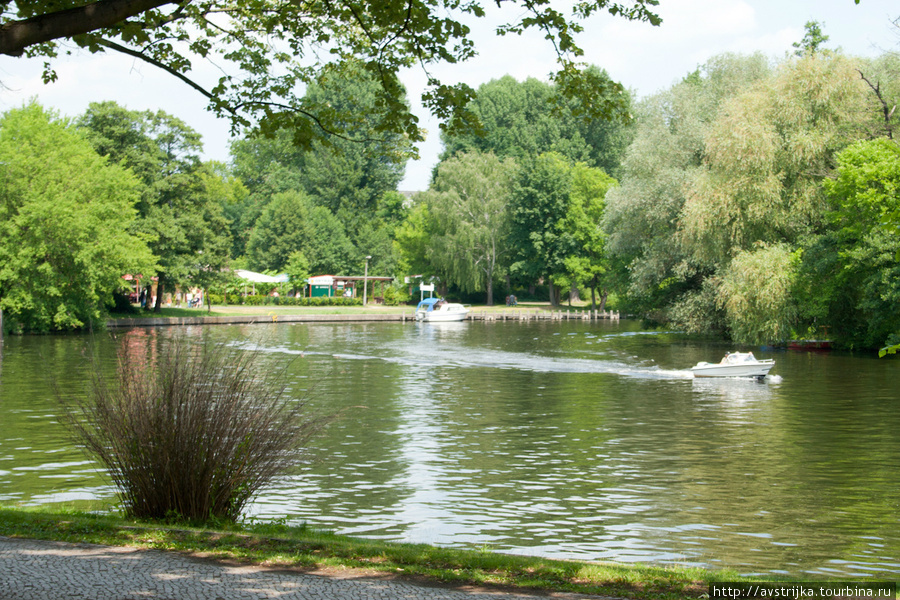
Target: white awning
(259,277)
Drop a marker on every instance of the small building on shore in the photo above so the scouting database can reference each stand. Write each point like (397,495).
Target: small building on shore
(346,285)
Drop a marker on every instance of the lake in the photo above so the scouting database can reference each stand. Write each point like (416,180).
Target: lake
(567,439)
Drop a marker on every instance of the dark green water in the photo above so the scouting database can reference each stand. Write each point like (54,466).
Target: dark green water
(570,440)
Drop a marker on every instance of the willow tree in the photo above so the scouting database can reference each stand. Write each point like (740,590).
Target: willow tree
(757,292)
(767,154)
(469,206)
(641,214)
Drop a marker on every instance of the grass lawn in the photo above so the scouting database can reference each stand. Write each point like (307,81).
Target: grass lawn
(300,547)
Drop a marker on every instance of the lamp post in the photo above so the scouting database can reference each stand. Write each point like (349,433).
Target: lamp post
(366,280)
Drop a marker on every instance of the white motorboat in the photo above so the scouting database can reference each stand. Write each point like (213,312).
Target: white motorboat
(437,310)
(735,364)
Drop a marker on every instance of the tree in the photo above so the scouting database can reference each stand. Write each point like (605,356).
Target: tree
(225,188)
(642,214)
(280,231)
(757,293)
(812,41)
(767,155)
(271,50)
(469,204)
(219,190)
(349,179)
(861,262)
(587,264)
(67,224)
(540,200)
(297,269)
(524,119)
(181,204)
(412,238)
(292,223)
(760,187)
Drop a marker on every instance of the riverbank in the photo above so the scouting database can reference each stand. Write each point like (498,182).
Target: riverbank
(275,545)
(229,315)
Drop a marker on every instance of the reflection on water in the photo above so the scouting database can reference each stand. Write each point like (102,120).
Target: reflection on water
(572,440)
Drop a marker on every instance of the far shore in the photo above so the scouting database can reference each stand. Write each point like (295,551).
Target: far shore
(238,314)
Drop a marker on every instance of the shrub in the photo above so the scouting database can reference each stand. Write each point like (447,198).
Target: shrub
(195,433)
(395,296)
(122,304)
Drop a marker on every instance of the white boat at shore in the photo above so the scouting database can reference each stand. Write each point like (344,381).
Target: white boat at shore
(735,364)
(436,310)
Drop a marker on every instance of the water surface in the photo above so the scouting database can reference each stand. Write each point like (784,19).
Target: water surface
(563,439)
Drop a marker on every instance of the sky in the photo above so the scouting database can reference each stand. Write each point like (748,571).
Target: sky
(645,59)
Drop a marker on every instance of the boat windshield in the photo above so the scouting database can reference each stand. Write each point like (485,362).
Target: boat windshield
(737,357)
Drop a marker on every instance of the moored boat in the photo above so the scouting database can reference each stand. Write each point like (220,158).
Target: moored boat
(809,344)
(437,310)
(735,364)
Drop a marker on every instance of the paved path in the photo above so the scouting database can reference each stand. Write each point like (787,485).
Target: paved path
(41,570)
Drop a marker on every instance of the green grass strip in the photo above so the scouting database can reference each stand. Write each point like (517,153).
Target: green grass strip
(284,546)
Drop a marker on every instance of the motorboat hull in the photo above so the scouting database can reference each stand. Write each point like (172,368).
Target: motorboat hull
(438,316)
(735,364)
(761,369)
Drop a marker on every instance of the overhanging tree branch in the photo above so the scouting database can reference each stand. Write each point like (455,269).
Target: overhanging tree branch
(230,109)
(16,36)
(168,69)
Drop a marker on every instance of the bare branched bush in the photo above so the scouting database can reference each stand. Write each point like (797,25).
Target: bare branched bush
(195,433)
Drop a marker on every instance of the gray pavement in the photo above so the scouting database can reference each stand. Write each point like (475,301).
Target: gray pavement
(42,570)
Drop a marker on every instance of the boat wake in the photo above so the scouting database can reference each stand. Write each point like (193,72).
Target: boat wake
(451,357)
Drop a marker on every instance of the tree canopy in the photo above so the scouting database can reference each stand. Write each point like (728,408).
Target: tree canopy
(468,205)
(182,199)
(857,265)
(747,207)
(292,223)
(539,201)
(348,179)
(527,118)
(269,50)
(67,224)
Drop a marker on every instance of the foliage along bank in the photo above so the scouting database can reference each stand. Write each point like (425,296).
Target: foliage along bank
(755,199)
(759,201)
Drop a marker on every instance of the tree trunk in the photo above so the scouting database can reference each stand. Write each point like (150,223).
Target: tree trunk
(573,294)
(490,292)
(160,289)
(603,296)
(552,288)
(593,297)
